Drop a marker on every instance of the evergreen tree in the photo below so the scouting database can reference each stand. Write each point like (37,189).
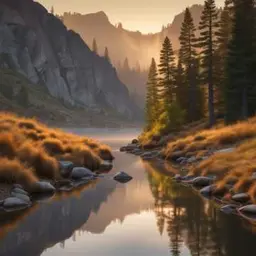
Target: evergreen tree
(126,65)
(106,55)
(52,10)
(167,72)
(224,36)
(188,57)
(94,46)
(181,89)
(207,42)
(240,89)
(152,101)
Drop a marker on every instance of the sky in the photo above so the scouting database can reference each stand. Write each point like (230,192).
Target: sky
(146,16)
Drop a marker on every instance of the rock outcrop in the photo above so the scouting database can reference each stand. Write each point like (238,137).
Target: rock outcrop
(38,45)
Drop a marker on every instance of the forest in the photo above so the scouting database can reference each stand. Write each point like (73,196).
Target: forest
(213,75)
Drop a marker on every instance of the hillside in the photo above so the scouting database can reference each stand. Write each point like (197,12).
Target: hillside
(37,45)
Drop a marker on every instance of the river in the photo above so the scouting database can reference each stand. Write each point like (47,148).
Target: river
(150,215)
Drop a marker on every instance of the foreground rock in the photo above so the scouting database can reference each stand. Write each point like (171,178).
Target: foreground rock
(229,209)
(201,181)
(105,166)
(81,172)
(241,198)
(43,187)
(66,168)
(248,210)
(14,203)
(122,177)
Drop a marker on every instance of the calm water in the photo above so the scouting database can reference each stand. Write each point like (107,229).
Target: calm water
(148,216)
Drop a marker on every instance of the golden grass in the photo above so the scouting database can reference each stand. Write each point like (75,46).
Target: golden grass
(38,147)
(213,139)
(13,171)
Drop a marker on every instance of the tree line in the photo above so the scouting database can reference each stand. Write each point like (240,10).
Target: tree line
(213,74)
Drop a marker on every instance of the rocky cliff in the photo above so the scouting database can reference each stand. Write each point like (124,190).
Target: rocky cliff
(37,44)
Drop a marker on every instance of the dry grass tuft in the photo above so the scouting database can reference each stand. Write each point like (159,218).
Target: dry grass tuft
(38,147)
(13,171)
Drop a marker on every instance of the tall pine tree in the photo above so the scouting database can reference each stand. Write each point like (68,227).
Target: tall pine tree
(224,37)
(240,89)
(208,43)
(152,100)
(106,55)
(188,57)
(94,46)
(167,72)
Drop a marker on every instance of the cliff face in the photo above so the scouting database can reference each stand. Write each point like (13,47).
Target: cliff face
(38,45)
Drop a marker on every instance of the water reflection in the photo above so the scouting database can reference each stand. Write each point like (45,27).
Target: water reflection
(151,215)
(188,218)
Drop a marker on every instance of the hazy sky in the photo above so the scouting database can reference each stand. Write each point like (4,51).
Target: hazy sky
(143,15)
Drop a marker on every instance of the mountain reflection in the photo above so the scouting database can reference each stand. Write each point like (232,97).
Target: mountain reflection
(189,219)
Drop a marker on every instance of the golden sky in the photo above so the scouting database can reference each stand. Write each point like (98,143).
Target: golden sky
(143,15)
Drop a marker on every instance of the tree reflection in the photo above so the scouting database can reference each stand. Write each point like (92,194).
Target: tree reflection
(189,219)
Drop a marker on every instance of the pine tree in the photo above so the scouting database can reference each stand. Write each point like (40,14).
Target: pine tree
(106,55)
(52,10)
(152,101)
(208,26)
(188,57)
(167,72)
(240,89)
(181,87)
(224,37)
(126,65)
(94,46)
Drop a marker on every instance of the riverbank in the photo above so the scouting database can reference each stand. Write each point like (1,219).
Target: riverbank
(37,161)
(221,159)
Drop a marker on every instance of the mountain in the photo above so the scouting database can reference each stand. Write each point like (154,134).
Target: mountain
(123,43)
(37,45)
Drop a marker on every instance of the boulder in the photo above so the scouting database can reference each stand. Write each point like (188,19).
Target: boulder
(14,203)
(201,181)
(229,209)
(82,172)
(20,191)
(241,198)
(181,160)
(150,155)
(213,190)
(43,187)
(65,168)
(122,177)
(248,210)
(21,196)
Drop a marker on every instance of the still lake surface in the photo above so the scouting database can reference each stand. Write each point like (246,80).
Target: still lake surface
(150,215)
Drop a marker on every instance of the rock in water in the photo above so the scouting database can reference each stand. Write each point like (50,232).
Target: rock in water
(43,187)
(207,191)
(201,182)
(66,168)
(122,177)
(81,172)
(14,203)
(229,209)
(20,191)
(248,209)
(22,197)
(241,198)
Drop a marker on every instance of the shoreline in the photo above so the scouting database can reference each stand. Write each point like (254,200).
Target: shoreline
(228,201)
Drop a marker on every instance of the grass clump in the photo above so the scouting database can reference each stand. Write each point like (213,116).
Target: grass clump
(36,149)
